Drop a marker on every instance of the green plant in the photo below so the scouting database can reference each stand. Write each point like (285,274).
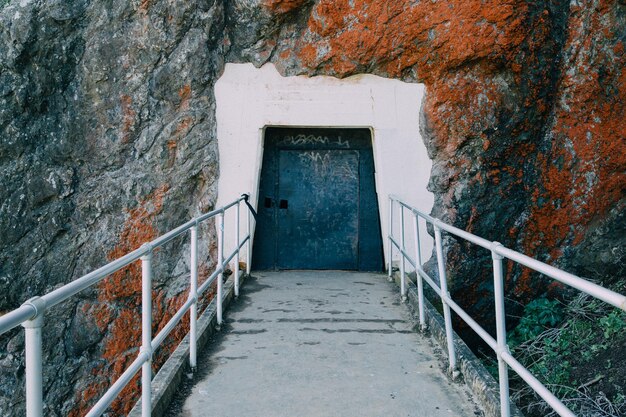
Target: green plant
(539,315)
(613,323)
(570,347)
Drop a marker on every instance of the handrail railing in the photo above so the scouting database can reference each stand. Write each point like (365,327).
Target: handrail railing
(30,314)
(498,253)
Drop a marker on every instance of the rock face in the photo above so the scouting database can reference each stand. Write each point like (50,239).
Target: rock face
(523,118)
(107,139)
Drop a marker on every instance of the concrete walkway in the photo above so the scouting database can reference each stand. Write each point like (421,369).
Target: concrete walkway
(321,344)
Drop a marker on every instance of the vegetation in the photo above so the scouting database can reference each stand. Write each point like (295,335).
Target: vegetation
(576,347)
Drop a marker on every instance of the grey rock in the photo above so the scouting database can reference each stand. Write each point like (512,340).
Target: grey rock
(92,94)
(84,332)
(103,103)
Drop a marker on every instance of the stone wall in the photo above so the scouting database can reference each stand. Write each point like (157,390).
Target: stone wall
(107,139)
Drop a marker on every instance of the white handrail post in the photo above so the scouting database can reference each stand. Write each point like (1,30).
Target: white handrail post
(146,333)
(418,277)
(390,247)
(193,294)
(249,251)
(237,256)
(33,358)
(444,293)
(220,260)
(402,252)
(498,290)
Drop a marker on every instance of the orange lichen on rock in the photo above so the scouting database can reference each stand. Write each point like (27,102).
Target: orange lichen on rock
(144,5)
(117,312)
(461,105)
(584,173)
(183,126)
(138,229)
(119,306)
(283,6)
(346,35)
(184,93)
(90,394)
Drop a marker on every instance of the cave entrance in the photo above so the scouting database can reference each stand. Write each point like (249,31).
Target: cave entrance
(317,201)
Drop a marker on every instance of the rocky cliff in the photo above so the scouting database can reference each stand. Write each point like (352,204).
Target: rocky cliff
(107,139)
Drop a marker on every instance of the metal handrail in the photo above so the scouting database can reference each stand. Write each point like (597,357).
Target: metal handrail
(30,314)
(498,253)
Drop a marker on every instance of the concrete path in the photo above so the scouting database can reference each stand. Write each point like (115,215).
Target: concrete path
(321,344)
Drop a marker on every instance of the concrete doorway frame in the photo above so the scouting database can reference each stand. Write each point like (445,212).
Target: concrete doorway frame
(249,99)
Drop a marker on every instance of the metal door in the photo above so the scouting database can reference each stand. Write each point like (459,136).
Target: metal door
(318,208)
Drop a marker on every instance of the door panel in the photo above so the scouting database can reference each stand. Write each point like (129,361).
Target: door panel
(323,178)
(318,210)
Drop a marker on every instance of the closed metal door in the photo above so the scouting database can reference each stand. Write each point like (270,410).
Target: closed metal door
(318,209)
(317,203)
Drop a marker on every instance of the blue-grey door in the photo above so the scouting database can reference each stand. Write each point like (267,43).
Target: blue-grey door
(318,222)
(317,206)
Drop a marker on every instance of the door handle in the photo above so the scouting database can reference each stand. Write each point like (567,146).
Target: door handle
(284,204)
